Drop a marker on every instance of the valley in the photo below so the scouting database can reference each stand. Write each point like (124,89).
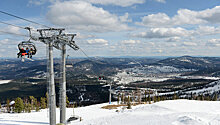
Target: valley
(181,75)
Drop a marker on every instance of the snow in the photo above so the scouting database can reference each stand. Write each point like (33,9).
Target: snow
(172,112)
(198,77)
(185,60)
(212,87)
(12,102)
(5,81)
(127,77)
(148,73)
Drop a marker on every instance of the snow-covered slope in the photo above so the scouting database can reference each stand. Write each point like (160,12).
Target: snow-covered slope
(210,88)
(175,112)
(4,81)
(148,73)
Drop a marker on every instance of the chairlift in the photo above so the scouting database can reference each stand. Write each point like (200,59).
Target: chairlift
(27,47)
(102,78)
(68,65)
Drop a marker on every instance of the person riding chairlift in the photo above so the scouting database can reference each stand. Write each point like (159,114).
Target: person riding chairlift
(27,52)
(20,52)
(30,53)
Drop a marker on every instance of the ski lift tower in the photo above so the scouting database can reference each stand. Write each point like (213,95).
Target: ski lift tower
(65,39)
(49,37)
(54,38)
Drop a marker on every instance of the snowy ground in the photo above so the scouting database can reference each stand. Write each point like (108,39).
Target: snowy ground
(4,81)
(154,74)
(177,112)
(125,78)
(212,87)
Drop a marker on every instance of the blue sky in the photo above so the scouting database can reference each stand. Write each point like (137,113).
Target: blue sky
(120,27)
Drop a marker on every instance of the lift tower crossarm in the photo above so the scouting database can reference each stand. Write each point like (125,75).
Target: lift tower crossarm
(67,39)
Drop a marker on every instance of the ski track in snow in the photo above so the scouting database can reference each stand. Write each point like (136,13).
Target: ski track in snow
(173,112)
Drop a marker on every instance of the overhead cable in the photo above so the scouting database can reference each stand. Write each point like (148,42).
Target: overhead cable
(23,19)
(12,25)
(13,33)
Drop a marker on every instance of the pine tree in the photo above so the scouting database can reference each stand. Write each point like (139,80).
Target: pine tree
(118,99)
(145,95)
(47,99)
(155,99)
(149,99)
(32,102)
(29,107)
(208,98)
(215,97)
(75,104)
(131,99)
(191,98)
(197,97)
(67,101)
(129,103)
(122,98)
(19,105)
(177,96)
(139,96)
(165,97)
(43,103)
(37,107)
(202,97)
(35,103)
(125,100)
(8,105)
(174,96)
(26,107)
(158,98)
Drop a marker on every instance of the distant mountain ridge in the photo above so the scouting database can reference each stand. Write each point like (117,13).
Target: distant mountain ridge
(191,62)
(96,66)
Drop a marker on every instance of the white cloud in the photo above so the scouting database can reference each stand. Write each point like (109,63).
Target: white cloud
(161,1)
(125,18)
(155,20)
(184,16)
(83,36)
(213,42)
(164,33)
(207,30)
(84,16)
(4,41)
(189,44)
(98,41)
(11,29)
(173,39)
(130,41)
(40,2)
(159,51)
(123,3)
